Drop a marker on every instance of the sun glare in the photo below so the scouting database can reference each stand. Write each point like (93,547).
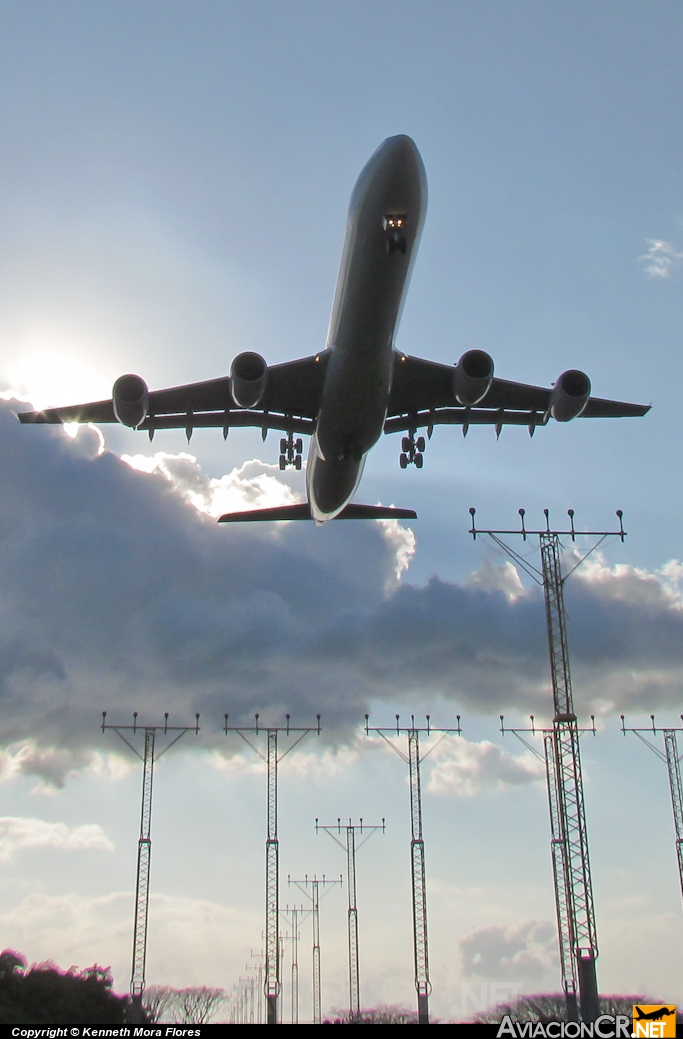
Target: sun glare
(46,377)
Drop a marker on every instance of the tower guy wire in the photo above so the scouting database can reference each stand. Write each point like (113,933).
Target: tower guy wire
(272,983)
(351,849)
(417,852)
(672,760)
(314,897)
(569,836)
(148,758)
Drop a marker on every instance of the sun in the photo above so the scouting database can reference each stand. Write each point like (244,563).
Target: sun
(48,376)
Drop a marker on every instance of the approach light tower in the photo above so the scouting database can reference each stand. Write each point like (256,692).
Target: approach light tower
(293,915)
(314,896)
(272,966)
(571,863)
(423,985)
(351,849)
(148,758)
(672,760)
(565,928)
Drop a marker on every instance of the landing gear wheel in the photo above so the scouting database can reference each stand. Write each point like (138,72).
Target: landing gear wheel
(403,461)
(297,462)
(283,462)
(298,446)
(420,444)
(406,445)
(283,446)
(418,460)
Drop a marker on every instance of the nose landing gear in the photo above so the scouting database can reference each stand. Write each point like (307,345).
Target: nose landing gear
(412,451)
(290,452)
(395,240)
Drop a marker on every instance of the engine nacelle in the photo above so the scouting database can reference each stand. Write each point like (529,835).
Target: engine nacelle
(569,395)
(248,379)
(472,377)
(130,397)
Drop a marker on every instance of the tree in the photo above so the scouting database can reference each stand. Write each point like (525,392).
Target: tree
(45,995)
(381,1015)
(158,1000)
(198,1005)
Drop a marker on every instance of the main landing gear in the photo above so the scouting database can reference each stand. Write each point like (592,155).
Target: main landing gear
(290,451)
(412,452)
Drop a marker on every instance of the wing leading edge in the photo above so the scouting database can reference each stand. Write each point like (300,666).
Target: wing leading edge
(290,403)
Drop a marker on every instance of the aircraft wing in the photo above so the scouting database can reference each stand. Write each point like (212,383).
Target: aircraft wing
(422,394)
(290,403)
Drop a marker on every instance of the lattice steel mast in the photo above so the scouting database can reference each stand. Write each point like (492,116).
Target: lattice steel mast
(354,966)
(272,885)
(571,863)
(317,995)
(351,849)
(293,915)
(672,760)
(148,758)
(272,983)
(295,966)
(137,981)
(314,896)
(558,848)
(417,851)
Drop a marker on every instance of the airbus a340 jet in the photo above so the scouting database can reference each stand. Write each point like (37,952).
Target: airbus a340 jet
(360,386)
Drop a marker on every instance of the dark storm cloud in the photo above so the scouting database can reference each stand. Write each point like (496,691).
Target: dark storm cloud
(115,593)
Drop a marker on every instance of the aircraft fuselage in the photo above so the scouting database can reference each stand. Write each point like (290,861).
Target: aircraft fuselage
(386,215)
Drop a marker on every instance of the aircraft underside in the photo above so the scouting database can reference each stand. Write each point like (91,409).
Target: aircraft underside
(345,396)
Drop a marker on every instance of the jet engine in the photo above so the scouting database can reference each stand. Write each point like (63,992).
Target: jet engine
(472,377)
(248,379)
(569,395)
(130,398)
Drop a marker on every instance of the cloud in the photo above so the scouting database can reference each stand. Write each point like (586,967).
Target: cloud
(249,487)
(119,591)
(52,766)
(253,485)
(524,953)
(465,769)
(192,941)
(493,577)
(318,768)
(16,834)
(660,259)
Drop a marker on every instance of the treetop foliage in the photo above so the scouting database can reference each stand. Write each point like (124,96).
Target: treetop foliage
(43,994)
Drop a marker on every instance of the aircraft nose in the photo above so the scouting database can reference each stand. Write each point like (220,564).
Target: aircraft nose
(397,172)
(401,148)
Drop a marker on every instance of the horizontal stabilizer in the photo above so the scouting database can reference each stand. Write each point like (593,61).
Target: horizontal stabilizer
(303,512)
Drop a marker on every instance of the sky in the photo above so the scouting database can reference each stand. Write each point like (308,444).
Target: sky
(174,181)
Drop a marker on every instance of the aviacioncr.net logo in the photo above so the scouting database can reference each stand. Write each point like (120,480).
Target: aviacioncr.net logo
(654,1020)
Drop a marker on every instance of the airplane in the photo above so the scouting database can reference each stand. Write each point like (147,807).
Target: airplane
(654,1015)
(360,385)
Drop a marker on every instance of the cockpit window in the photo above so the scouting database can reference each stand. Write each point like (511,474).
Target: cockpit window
(392,221)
